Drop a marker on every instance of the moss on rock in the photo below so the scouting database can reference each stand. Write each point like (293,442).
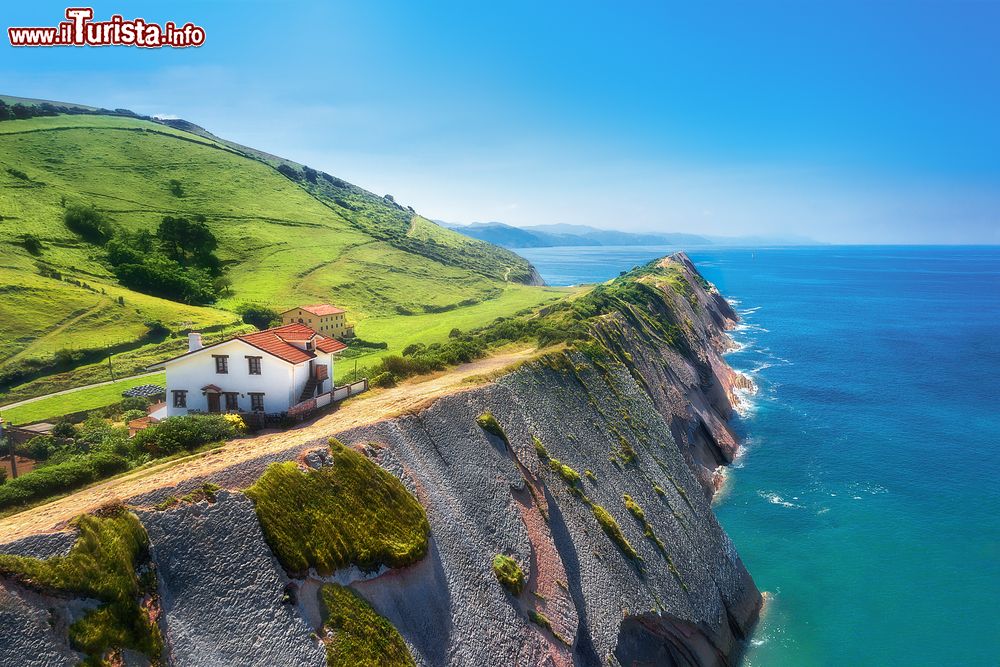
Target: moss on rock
(103,565)
(614,531)
(490,424)
(352,512)
(358,636)
(509,573)
(569,475)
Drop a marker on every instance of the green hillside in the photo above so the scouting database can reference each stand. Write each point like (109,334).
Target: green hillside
(286,234)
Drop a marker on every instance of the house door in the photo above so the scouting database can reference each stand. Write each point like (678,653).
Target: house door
(213,402)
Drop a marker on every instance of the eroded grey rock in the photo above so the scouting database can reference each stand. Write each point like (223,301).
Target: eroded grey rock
(221,589)
(31,626)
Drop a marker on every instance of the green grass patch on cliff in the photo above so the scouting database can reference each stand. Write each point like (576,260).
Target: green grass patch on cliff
(509,573)
(489,423)
(614,531)
(352,512)
(568,474)
(102,565)
(358,635)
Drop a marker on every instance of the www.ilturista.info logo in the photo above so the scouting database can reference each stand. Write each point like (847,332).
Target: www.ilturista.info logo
(81,30)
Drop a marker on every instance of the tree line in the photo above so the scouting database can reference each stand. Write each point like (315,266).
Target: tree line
(176,262)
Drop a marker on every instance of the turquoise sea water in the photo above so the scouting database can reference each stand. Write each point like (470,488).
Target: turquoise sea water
(867,501)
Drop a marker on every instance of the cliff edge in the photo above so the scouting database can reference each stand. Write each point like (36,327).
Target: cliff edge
(590,467)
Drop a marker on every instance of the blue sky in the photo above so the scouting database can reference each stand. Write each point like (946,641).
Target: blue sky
(846,122)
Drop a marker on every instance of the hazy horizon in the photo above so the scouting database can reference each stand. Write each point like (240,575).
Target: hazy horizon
(862,123)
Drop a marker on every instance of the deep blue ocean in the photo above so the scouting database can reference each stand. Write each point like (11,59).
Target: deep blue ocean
(866,503)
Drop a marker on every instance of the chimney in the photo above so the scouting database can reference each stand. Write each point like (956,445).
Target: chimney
(194,341)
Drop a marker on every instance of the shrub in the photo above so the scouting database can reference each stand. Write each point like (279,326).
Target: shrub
(87,222)
(17,173)
(64,429)
(62,477)
(130,415)
(509,573)
(31,243)
(134,403)
(39,448)
(289,172)
(350,513)
(259,315)
(360,636)
(383,380)
(184,433)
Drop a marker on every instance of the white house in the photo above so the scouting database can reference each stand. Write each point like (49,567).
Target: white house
(268,371)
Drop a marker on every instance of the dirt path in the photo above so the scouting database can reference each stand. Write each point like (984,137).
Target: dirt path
(409,396)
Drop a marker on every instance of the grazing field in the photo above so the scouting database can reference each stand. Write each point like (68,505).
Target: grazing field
(287,235)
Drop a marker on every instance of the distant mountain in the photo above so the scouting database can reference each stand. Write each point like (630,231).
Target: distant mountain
(557,235)
(547,236)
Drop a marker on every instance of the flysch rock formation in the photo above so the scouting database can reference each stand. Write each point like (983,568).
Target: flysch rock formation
(692,602)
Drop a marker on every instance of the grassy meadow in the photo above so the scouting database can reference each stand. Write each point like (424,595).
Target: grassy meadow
(284,239)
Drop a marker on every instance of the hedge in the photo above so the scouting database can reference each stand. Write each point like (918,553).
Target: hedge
(60,478)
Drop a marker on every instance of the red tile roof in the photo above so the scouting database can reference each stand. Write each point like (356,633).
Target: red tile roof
(330,345)
(273,342)
(321,309)
(276,342)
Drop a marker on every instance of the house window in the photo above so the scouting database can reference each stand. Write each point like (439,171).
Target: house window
(232,402)
(221,363)
(180,398)
(257,402)
(254,365)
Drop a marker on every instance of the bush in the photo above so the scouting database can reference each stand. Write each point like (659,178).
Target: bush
(509,573)
(185,433)
(60,478)
(63,429)
(383,380)
(258,315)
(134,403)
(31,243)
(130,415)
(39,448)
(88,222)
(289,172)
